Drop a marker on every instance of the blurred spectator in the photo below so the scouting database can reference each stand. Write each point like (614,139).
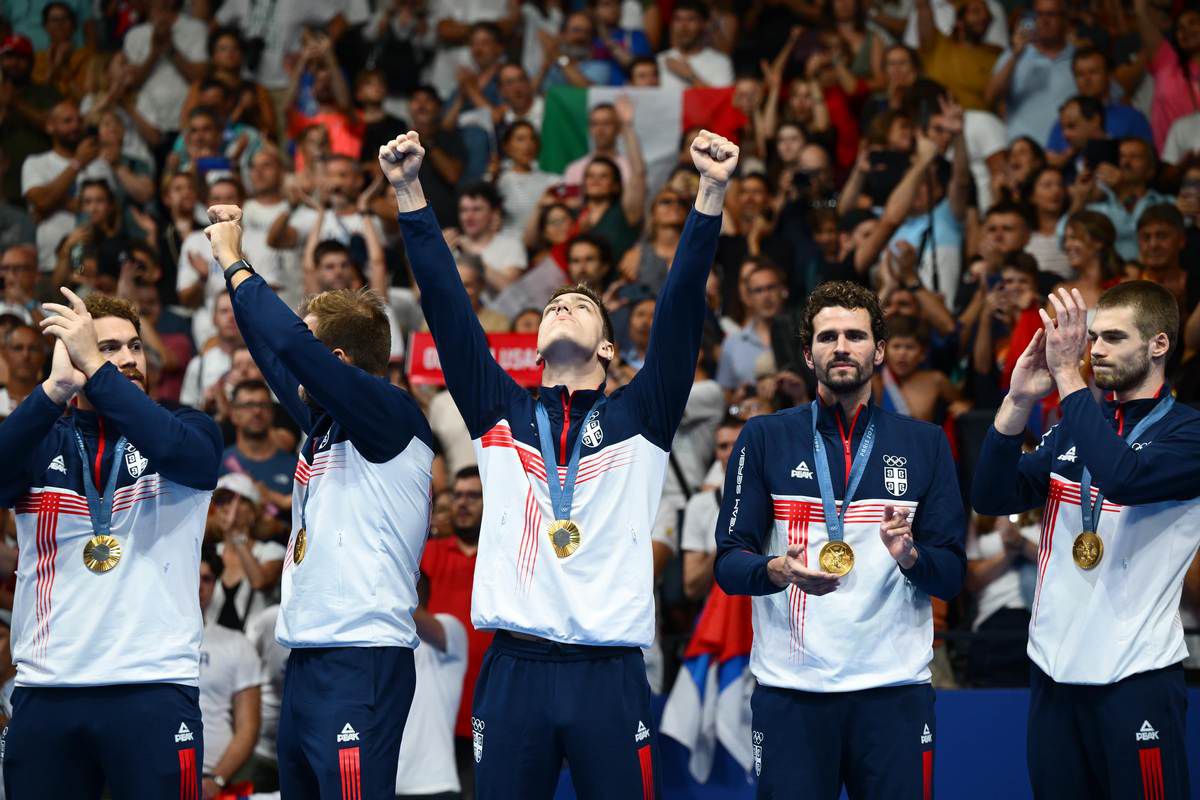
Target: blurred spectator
(700,516)
(479,234)
(1048,200)
(16,226)
(254,452)
(249,580)
(1124,192)
(450,564)
(766,292)
(962,61)
(380,127)
(612,208)
(199,279)
(265,205)
(61,63)
(647,262)
(212,141)
(25,357)
(327,103)
(1174,66)
(49,179)
(688,61)
(1162,237)
(206,369)
(263,768)
(1093,79)
(521,183)
(904,385)
(453,24)
(1081,121)
(166,335)
(24,110)
(168,53)
(19,270)
(569,59)
(1033,78)
(230,696)
(445,154)
(1089,241)
(1002,556)
(605,125)
(180,218)
(427,765)
(249,104)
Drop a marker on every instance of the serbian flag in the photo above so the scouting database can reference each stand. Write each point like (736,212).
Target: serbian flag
(660,117)
(710,702)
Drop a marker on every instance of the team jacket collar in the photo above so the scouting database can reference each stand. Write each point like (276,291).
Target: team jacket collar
(832,420)
(1125,415)
(91,424)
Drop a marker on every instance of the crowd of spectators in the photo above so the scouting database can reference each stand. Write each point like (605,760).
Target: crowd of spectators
(961,158)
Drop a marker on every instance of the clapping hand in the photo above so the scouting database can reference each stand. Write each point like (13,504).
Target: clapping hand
(1066,338)
(896,533)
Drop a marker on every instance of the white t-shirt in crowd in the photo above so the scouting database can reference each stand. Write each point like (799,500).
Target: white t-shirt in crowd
(700,522)
(1050,256)
(248,601)
(41,169)
(448,426)
(335,226)
(260,630)
(985,135)
(447,59)
(504,251)
(711,66)
(186,277)
(279,268)
(1183,138)
(521,192)
(426,764)
(228,665)
(161,98)
(945,13)
(278,24)
(204,370)
(1005,591)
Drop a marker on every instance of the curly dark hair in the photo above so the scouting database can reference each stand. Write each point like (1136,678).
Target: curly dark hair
(105,305)
(842,294)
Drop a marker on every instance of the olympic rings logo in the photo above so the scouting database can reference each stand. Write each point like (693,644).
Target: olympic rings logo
(894,461)
(758,737)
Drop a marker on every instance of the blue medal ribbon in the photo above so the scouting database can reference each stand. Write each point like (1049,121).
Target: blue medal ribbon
(1091,511)
(562,494)
(835,521)
(99,506)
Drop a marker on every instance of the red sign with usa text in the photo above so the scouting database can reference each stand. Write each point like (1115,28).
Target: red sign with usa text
(516,353)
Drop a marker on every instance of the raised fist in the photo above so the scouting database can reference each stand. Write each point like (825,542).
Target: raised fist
(714,156)
(400,159)
(225,233)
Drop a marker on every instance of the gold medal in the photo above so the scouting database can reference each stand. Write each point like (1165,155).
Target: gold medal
(564,537)
(101,553)
(1087,550)
(301,546)
(836,558)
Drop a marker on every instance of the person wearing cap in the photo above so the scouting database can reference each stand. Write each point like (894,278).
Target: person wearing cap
(252,567)
(24,109)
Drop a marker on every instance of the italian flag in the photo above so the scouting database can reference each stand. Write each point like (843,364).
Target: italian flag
(661,116)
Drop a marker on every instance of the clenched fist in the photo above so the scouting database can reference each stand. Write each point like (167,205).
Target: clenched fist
(225,234)
(400,159)
(714,156)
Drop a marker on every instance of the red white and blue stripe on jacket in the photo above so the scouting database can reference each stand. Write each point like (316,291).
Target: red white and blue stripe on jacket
(602,593)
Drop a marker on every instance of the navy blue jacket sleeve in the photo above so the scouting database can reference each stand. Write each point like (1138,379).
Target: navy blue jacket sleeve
(1008,481)
(939,529)
(381,420)
(480,388)
(185,445)
(23,432)
(665,379)
(281,380)
(746,520)
(1166,469)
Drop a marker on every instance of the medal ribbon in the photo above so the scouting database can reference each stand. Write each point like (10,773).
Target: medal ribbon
(1091,511)
(561,494)
(834,521)
(99,506)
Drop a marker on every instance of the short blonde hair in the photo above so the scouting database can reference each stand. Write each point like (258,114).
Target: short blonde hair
(355,321)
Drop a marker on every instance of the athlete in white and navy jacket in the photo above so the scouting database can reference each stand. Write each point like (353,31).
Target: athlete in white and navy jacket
(106,617)
(1107,708)
(564,676)
(842,663)
(360,517)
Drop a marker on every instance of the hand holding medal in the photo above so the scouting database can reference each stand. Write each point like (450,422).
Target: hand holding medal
(791,570)
(896,533)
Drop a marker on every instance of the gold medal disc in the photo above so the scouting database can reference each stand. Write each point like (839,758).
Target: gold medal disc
(1087,550)
(301,546)
(836,558)
(101,553)
(564,537)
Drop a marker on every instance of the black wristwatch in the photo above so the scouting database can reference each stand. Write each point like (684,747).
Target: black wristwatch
(236,267)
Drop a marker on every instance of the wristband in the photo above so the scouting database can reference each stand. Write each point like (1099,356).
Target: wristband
(238,266)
